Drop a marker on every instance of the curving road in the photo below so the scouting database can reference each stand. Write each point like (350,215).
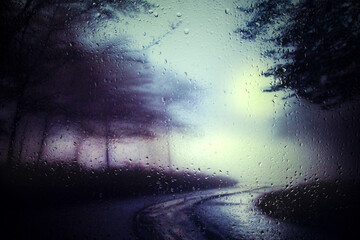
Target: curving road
(178,218)
(201,215)
(218,214)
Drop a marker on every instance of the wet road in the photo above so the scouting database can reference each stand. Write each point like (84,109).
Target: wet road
(107,219)
(110,220)
(177,218)
(212,214)
(227,214)
(235,217)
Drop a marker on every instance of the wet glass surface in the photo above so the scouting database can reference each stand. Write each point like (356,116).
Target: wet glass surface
(144,119)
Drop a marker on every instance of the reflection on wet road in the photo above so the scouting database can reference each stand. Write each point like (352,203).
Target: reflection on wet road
(235,217)
(175,219)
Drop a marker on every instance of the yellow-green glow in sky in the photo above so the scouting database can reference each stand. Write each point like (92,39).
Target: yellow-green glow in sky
(232,126)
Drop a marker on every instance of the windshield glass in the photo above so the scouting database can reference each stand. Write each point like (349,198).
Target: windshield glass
(109,107)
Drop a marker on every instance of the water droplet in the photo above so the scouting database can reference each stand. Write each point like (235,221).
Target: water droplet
(186,31)
(178,14)
(227,11)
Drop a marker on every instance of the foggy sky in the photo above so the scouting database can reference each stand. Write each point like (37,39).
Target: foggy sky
(228,125)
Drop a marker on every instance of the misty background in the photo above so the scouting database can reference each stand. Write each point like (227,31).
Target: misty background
(168,85)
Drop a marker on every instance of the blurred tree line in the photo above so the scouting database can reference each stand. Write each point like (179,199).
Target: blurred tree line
(47,69)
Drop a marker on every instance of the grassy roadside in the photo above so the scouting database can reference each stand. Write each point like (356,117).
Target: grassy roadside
(329,206)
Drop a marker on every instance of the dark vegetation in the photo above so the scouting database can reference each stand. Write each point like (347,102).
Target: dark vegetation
(315,54)
(62,183)
(314,46)
(35,197)
(330,206)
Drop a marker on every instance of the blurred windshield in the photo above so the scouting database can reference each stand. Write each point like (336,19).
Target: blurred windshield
(135,98)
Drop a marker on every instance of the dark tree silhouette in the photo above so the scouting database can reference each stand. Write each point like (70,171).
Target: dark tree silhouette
(315,45)
(47,70)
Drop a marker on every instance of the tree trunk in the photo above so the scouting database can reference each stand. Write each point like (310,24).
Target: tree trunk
(79,142)
(168,148)
(77,151)
(22,140)
(107,157)
(24,81)
(43,138)
(16,120)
